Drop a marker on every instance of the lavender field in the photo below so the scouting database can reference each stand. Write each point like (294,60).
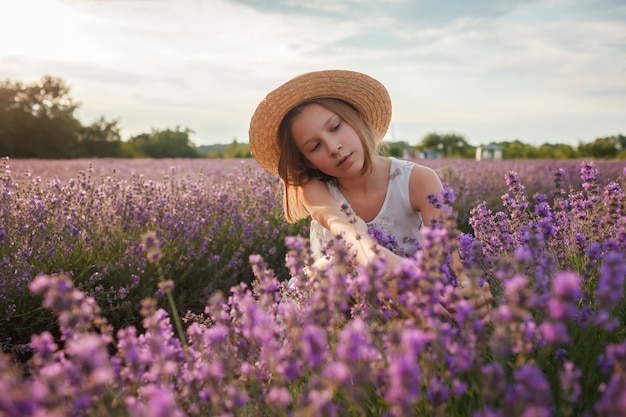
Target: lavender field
(158,288)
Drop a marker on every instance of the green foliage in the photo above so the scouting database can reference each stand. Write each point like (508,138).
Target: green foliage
(519,150)
(232,150)
(37,120)
(606,147)
(164,144)
(395,149)
(100,139)
(237,150)
(449,145)
(563,151)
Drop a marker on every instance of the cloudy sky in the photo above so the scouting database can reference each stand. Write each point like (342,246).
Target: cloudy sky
(544,71)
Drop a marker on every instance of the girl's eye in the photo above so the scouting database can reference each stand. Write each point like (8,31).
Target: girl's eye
(317,145)
(336,127)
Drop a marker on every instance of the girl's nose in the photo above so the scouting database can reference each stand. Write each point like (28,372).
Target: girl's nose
(337,149)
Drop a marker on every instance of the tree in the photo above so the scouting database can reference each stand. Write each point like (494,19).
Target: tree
(620,142)
(100,139)
(396,149)
(37,120)
(517,150)
(450,145)
(139,145)
(564,151)
(237,150)
(545,151)
(606,147)
(164,144)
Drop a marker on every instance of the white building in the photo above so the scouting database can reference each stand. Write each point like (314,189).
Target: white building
(489,152)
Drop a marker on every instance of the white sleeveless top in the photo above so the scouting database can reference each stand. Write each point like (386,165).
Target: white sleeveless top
(396,216)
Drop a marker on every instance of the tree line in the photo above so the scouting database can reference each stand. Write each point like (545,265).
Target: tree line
(451,145)
(38,120)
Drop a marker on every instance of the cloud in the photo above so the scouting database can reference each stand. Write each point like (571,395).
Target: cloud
(483,68)
(425,12)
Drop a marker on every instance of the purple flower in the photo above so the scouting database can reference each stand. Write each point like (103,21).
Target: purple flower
(569,378)
(566,294)
(154,401)
(566,286)
(278,397)
(41,284)
(354,343)
(611,280)
(613,400)
(91,358)
(338,372)
(437,392)
(122,293)
(314,345)
(554,332)
(530,390)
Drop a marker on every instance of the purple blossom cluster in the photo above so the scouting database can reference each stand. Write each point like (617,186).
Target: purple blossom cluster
(558,265)
(478,181)
(350,340)
(207,215)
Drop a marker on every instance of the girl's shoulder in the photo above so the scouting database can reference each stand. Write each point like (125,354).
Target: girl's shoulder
(423,173)
(317,191)
(400,163)
(420,176)
(423,182)
(405,163)
(413,168)
(314,186)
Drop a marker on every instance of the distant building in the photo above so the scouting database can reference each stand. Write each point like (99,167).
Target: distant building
(489,152)
(428,154)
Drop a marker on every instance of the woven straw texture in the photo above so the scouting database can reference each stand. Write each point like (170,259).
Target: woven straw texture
(366,94)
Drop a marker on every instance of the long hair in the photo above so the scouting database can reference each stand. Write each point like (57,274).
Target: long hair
(294,169)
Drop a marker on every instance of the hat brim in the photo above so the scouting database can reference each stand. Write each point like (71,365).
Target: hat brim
(366,94)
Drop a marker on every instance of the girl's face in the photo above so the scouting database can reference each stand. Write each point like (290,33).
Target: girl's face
(327,141)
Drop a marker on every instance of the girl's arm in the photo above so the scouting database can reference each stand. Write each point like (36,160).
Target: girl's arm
(326,210)
(423,182)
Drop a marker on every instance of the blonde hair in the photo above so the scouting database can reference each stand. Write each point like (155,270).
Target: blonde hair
(294,169)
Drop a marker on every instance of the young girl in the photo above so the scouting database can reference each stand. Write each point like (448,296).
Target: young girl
(320,133)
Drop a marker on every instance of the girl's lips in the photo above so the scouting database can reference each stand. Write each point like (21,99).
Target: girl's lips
(344,159)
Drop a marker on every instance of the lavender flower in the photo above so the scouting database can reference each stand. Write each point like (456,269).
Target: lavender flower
(351,341)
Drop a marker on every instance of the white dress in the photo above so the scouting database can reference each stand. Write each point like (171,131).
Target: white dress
(396,216)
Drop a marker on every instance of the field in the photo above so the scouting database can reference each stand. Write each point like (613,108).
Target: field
(158,287)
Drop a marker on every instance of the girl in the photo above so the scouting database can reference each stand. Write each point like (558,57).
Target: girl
(320,133)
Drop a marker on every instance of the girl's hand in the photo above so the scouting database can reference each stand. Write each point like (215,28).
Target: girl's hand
(481,295)
(320,264)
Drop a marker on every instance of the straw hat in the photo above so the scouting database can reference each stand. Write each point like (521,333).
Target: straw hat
(366,94)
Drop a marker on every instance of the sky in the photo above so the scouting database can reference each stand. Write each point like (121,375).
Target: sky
(541,71)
